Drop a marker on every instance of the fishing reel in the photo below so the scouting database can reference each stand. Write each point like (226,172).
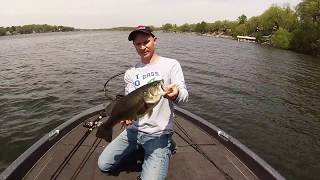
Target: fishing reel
(96,123)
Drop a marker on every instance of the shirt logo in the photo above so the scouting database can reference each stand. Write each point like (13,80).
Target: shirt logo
(147,78)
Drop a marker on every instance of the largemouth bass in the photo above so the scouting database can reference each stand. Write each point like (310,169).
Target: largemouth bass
(138,103)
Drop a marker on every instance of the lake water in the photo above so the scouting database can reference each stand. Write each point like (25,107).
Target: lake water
(267,98)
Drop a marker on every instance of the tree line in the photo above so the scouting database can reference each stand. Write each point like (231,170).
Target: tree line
(33,28)
(282,27)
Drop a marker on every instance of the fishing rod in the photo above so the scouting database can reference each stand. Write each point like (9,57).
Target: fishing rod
(105,85)
(90,125)
(86,158)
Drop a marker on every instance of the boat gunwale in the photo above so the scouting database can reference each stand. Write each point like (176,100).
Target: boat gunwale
(251,159)
(20,167)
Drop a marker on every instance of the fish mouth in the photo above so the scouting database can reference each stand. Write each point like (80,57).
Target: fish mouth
(155,93)
(163,88)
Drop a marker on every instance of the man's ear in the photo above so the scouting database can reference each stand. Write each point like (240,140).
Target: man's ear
(155,40)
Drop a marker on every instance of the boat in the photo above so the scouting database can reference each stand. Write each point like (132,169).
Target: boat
(246,39)
(203,151)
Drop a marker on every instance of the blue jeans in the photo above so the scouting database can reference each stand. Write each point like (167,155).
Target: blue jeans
(157,152)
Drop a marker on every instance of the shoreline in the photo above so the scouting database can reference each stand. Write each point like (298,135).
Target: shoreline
(264,44)
(210,35)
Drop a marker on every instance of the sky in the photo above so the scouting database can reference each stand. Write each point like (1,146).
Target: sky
(92,14)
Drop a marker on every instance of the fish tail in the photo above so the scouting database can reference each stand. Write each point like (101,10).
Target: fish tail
(105,133)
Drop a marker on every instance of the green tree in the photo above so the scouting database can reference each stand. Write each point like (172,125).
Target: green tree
(193,27)
(210,27)
(174,28)
(167,27)
(64,28)
(242,19)
(201,27)
(184,28)
(240,30)
(276,17)
(306,38)
(38,28)
(281,39)
(253,25)
(218,26)
(26,29)
(309,11)
(2,31)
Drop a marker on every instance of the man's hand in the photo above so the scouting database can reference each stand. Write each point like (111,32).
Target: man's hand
(127,122)
(172,92)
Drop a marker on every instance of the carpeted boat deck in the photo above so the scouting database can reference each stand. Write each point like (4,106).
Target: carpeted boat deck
(198,156)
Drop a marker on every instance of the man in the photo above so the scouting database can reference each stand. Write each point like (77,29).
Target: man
(152,133)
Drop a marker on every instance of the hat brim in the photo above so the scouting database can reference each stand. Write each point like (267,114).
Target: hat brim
(133,34)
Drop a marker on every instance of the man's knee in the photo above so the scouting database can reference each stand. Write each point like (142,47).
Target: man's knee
(104,165)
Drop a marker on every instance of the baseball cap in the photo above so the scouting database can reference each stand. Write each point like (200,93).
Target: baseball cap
(141,28)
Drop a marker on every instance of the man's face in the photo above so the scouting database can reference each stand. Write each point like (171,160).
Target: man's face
(145,45)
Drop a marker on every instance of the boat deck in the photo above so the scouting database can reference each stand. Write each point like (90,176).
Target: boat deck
(198,156)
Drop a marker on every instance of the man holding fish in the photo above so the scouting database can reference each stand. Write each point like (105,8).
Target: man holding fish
(152,86)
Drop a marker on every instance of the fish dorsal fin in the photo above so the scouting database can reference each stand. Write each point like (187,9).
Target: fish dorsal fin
(110,107)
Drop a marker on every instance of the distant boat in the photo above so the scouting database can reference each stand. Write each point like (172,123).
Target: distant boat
(246,39)
(203,151)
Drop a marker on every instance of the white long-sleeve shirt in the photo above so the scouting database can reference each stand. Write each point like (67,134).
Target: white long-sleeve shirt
(168,70)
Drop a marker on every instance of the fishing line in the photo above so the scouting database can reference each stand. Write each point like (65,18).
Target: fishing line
(105,85)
